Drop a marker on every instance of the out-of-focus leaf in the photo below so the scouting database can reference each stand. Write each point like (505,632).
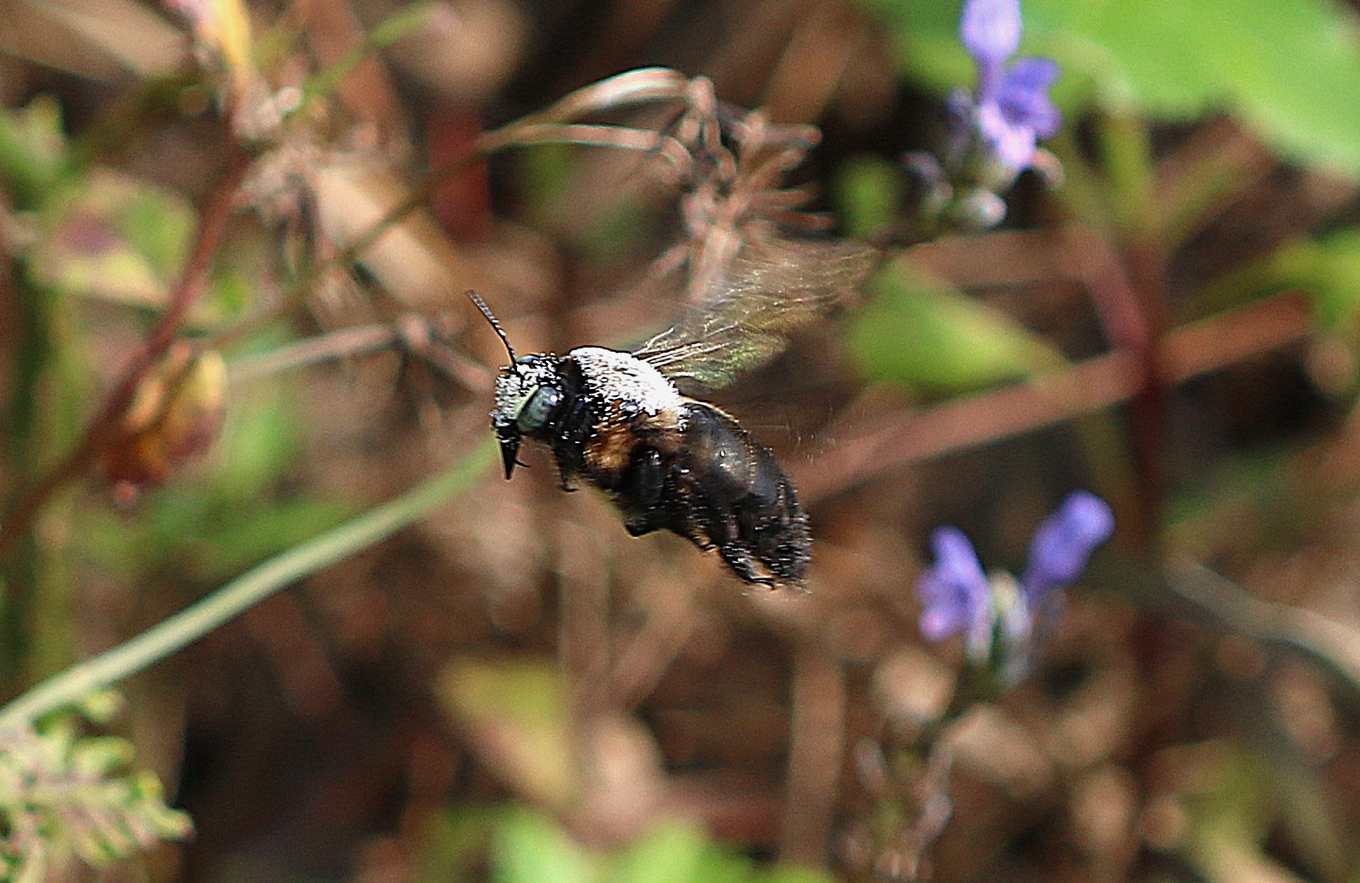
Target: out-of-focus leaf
(223,516)
(1283,67)
(517,714)
(258,442)
(680,852)
(672,853)
(456,841)
(222,545)
(116,238)
(1230,817)
(93,38)
(530,849)
(62,796)
(921,334)
(1327,269)
(32,150)
(231,289)
(868,192)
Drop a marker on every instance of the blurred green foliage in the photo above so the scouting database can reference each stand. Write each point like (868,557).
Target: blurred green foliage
(1175,60)
(522,707)
(927,336)
(524,846)
(868,192)
(1328,268)
(112,237)
(213,522)
(65,794)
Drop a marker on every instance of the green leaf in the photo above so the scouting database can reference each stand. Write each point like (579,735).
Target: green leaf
(455,842)
(114,237)
(517,710)
(32,151)
(158,227)
(1286,68)
(1329,270)
(674,852)
(868,194)
(924,335)
(101,755)
(222,514)
(529,848)
(257,444)
(1326,269)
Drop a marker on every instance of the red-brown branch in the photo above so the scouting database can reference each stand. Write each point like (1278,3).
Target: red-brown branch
(1086,387)
(105,426)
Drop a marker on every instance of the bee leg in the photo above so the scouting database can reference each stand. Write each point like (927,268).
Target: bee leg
(644,487)
(743,565)
(565,473)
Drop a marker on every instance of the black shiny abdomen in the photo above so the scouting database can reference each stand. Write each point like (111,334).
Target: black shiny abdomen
(720,489)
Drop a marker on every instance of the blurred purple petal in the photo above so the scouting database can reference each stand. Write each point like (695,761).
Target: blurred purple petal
(1010,145)
(990,30)
(1031,74)
(954,591)
(1065,541)
(1023,96)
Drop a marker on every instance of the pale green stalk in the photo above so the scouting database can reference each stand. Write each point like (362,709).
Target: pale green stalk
(183,628)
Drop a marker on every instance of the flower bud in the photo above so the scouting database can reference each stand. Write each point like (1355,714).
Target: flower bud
(175,413)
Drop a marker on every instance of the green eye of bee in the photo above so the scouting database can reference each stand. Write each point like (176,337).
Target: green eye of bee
(538,408)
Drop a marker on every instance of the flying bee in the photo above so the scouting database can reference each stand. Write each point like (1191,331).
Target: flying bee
(668,461)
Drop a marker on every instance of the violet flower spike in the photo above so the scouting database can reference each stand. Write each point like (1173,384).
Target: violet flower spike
(1064,542)
(1010,105)
(955,593)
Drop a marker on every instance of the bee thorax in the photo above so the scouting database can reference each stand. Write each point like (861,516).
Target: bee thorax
(619,377)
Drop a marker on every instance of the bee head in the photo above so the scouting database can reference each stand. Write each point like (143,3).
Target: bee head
(528,396)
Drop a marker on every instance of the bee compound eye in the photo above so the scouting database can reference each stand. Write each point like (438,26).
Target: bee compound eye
(538,408)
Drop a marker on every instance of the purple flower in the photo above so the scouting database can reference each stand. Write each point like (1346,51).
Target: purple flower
(1064,542)
(990,30)
(1010,108)
(954,591)
(958,597)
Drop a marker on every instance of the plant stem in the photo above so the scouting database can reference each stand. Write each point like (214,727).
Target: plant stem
(104,426)
(231,600)
(1087,387)
(548,126)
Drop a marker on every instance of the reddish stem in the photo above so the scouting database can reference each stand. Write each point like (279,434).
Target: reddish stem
(1086,387)
(105,426)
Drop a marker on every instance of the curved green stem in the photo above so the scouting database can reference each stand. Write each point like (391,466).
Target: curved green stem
(183,628)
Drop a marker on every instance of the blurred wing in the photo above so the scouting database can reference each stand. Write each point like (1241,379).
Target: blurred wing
(768,293)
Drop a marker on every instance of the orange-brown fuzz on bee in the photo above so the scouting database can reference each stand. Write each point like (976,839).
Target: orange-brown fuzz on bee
(610,448)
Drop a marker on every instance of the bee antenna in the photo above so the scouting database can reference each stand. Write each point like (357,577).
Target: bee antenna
(495,326)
